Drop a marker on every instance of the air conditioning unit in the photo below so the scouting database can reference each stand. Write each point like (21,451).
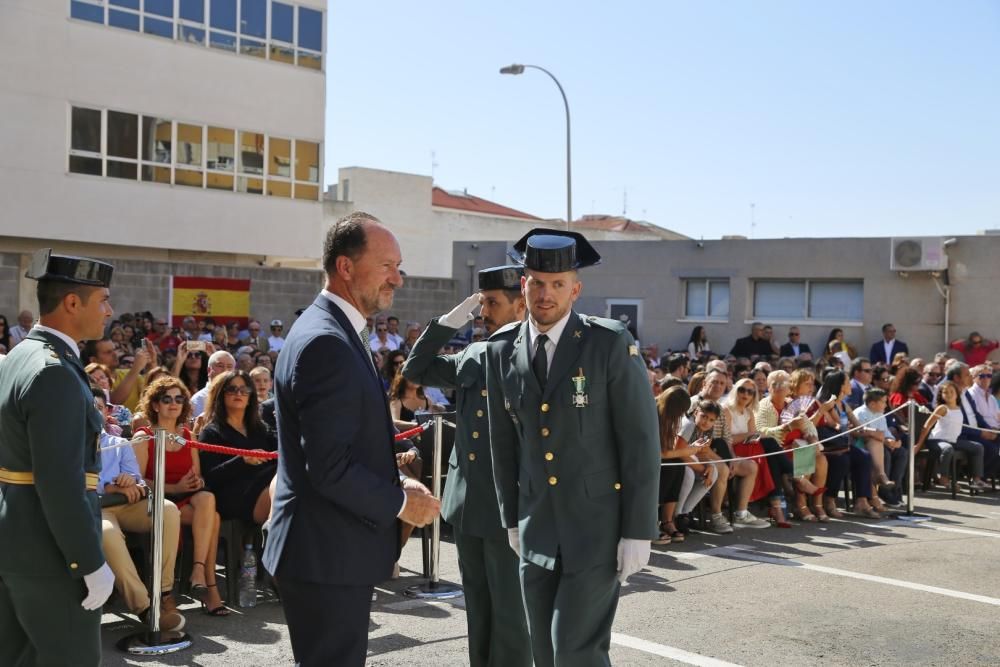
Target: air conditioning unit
(919,253)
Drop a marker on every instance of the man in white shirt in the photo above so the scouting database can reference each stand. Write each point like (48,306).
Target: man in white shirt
(17,333)
(984,402)
(380,341)
(275,341)
(393,323)
(220,362)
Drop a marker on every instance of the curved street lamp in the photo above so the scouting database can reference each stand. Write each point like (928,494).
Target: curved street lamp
(519,69)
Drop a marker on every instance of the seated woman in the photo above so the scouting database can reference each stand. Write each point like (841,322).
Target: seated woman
(405,398)
(243,485)
(166,404)
(943,432)
(837,336)
(741,404)
(905,386)
(803,403)
(392,364)
(192,367)
(119,418)
(841,455)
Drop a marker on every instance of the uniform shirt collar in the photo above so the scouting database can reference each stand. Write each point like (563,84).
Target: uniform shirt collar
(61,336)
(354,316)
(554,333)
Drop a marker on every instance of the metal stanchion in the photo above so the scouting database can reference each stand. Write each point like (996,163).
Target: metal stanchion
(154,641)
(434,589)
(911,416)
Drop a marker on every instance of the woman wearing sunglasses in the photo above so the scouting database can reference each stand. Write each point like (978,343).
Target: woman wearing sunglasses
(243,485)
(166,403)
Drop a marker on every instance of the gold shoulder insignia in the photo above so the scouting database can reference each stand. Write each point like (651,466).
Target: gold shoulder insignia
(633,351)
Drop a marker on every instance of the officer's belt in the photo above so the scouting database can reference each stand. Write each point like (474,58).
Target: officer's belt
(28,479)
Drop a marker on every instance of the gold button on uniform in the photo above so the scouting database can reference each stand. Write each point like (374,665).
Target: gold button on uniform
(475,435)
(549,456)
(483,392)
(545,407)
(479,413)
(618,486)
(553,481)
(545,432)
(472,456)
(73,566)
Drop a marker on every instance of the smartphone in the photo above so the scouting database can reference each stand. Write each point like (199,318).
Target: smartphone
(195,346)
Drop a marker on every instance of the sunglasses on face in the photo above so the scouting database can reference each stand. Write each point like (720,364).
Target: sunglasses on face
(168,399)
(985,376)
(745,391)
(241,391)
(381,329)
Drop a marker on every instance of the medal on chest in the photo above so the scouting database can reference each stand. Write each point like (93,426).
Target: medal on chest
(580,398)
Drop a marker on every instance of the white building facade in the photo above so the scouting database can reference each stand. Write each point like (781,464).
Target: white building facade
(170,129)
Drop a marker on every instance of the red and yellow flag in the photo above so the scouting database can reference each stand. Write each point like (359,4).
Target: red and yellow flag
(223,299)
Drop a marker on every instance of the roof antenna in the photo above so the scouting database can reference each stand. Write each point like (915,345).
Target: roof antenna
(434,165)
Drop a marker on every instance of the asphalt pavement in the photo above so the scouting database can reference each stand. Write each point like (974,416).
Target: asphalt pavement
(850,592)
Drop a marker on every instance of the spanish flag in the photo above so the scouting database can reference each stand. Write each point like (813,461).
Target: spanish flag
(223,299)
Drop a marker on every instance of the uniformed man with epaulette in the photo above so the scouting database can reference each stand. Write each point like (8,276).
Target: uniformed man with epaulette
(574,437)
(53,575)
(498,633)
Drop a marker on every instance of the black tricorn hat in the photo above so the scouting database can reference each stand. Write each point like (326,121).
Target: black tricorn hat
(501,277)
(46,265)
(554,251)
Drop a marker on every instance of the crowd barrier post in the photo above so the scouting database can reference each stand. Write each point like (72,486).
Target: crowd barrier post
(152,640)
(433,589)
(911,415)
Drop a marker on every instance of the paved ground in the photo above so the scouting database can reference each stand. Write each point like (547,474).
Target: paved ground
(851,592)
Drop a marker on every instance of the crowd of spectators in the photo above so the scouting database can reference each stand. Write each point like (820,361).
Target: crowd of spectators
(808,424)
(767,425)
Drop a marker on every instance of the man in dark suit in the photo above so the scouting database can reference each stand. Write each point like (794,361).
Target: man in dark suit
(754,345)
(884,350)
(334,533)
(498,632)
(793,347)
(861,379)
(574,438)
(53,574)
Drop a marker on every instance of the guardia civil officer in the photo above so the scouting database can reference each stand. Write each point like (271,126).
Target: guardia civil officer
(53,575)
(575,450)
(498,633)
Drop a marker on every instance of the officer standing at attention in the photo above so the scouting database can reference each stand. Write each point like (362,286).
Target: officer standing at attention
(498,633)
(53,575)
(575,446)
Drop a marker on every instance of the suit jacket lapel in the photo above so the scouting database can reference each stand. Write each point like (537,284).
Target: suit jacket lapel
(521,358)
(341,317)
(567,352)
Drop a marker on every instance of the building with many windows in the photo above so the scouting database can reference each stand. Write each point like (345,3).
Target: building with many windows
(169,130)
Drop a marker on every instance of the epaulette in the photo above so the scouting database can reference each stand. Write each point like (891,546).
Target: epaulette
(605,323)
(505,329)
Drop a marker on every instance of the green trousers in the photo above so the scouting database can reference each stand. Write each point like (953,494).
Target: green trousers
(42,623)
(570,614)
(494,610)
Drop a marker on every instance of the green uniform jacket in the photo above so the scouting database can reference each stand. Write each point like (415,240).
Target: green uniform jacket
(470,499)
(574,479)
(50,427)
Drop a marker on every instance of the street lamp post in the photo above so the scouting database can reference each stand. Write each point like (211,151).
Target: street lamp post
(519,69)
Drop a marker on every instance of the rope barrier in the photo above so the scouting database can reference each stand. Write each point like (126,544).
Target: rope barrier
(786,451)
(233,451)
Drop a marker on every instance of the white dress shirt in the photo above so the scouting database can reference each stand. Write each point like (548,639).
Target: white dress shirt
(888,345)
(554,334)
(986,405)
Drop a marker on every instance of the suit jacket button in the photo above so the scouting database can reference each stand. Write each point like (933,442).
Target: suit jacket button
(618,486)
(549,456)
(545,407)
(472,456)
(475,435)
(545,432)
(553,481)
(479,413)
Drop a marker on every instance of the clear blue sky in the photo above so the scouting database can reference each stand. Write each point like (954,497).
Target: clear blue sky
(845,118)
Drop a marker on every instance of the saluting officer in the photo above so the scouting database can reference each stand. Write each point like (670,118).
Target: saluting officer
(575,446)
(498,633)
(50,518)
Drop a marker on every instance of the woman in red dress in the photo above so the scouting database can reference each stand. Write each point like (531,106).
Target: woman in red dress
(167,404)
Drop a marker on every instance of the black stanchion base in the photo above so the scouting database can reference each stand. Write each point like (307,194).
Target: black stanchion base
(433,591)
(154,643)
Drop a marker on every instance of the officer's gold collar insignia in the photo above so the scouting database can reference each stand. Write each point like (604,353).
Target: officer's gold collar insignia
(633,351)
(577,333)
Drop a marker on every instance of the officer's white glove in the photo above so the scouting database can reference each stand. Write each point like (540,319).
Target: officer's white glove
(99,587)
(514,537)
(632,556)
(461,313)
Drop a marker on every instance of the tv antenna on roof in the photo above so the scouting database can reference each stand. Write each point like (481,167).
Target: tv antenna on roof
(434,165)
(753,218)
